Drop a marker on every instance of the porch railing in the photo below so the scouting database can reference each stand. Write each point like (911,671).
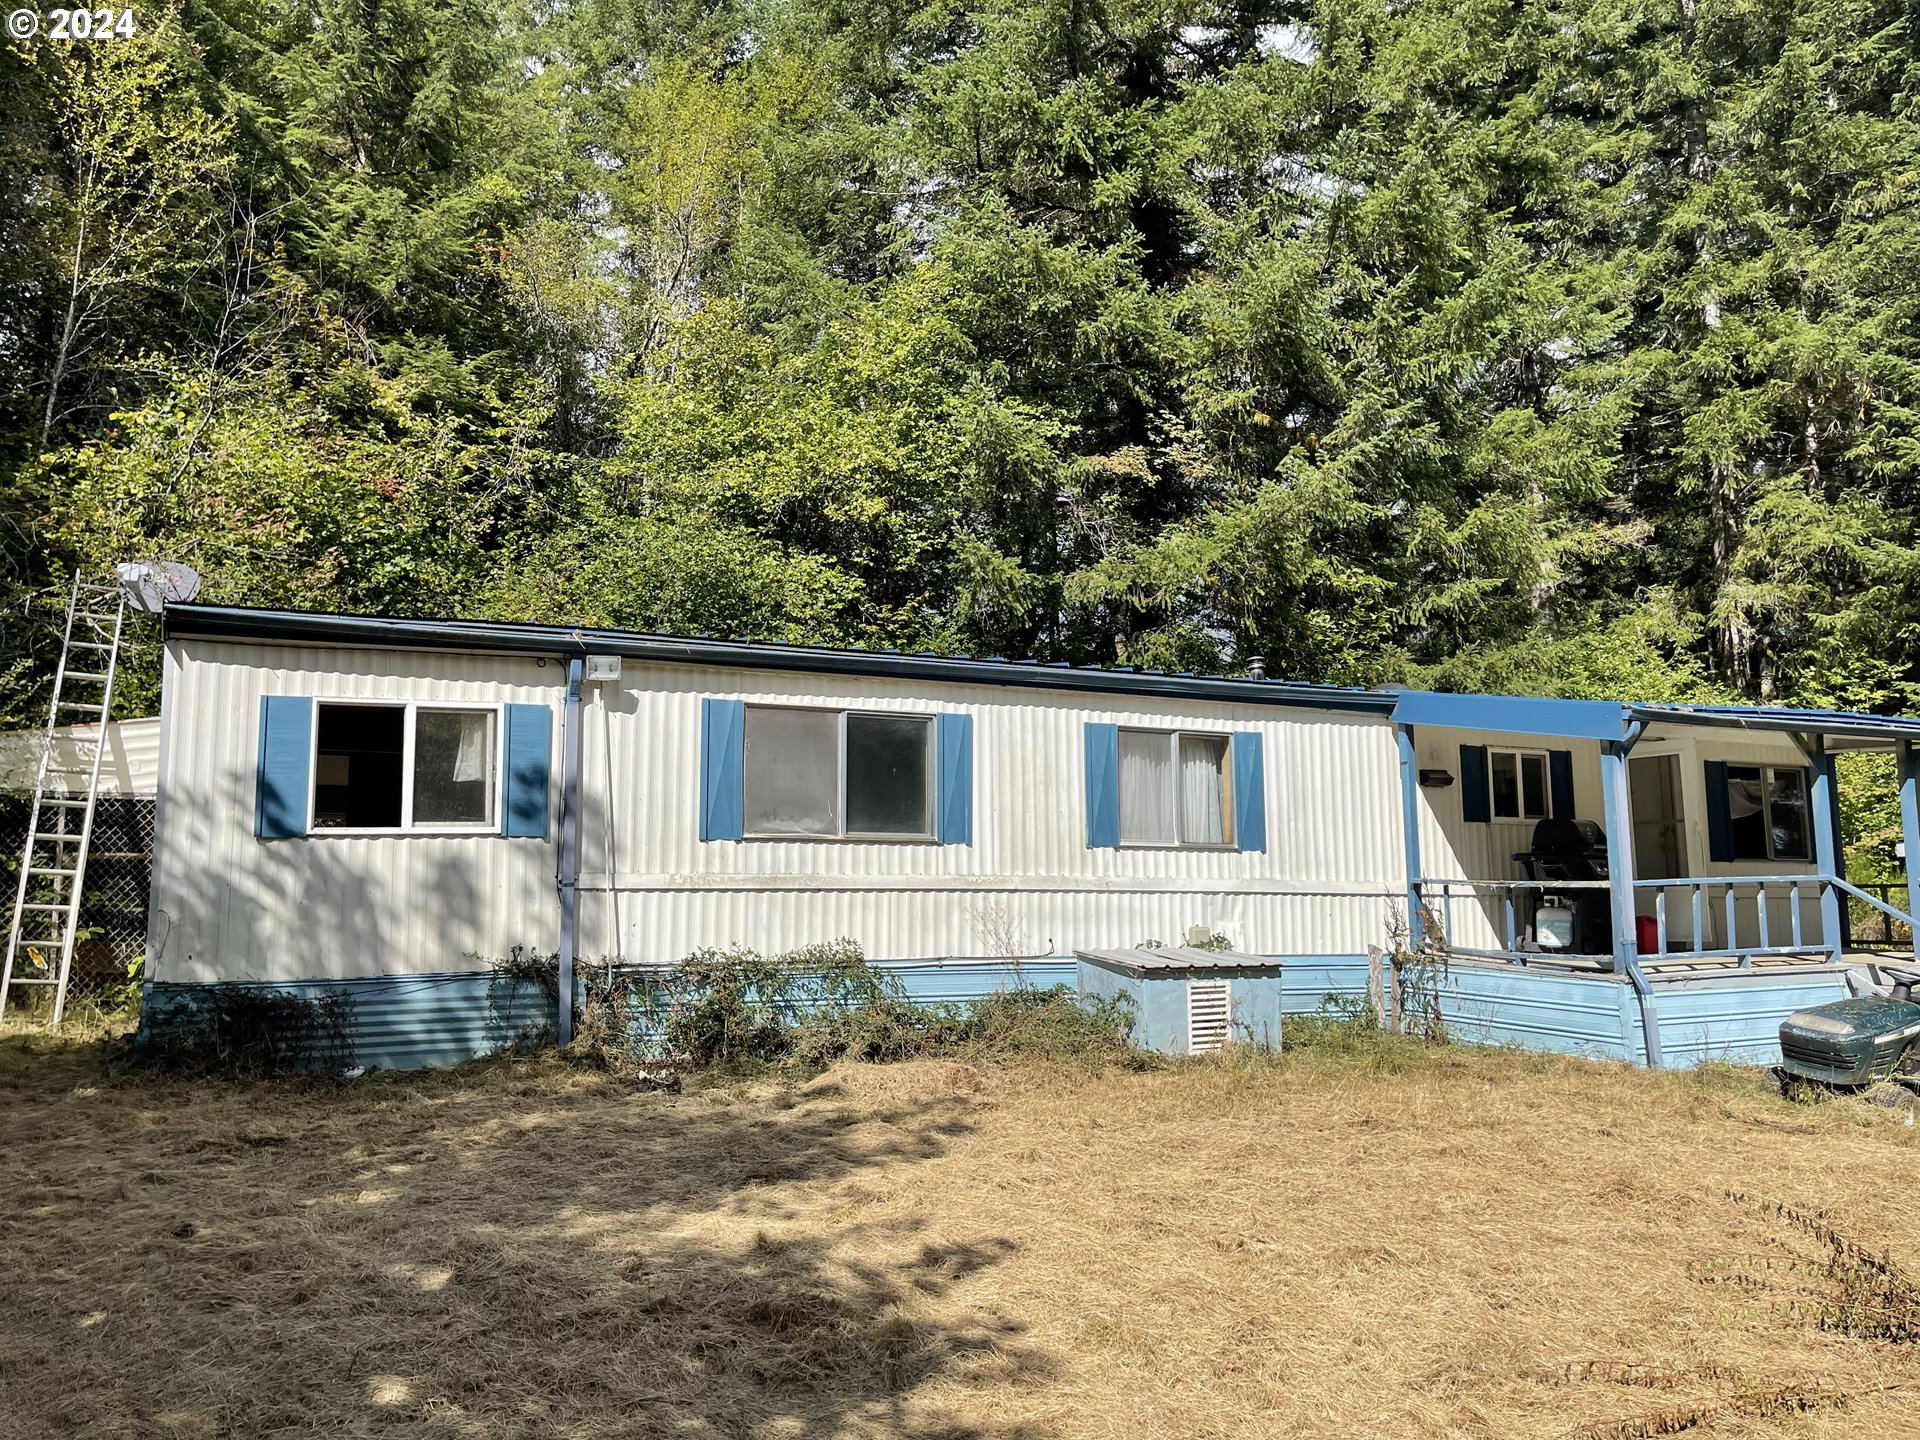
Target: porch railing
(1875,917)
(1779,914)
(1758,916)
(1439,897)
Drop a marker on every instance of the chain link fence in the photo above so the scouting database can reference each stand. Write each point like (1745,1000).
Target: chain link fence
(112,934)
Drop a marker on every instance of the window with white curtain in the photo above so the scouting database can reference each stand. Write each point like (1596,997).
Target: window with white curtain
(1173,789)
(831,774)
(405,767)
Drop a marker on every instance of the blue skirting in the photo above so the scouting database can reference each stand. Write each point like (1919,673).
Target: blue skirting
(404,1022)
(1723,1017)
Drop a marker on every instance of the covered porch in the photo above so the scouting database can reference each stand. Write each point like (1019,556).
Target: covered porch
(1664,883)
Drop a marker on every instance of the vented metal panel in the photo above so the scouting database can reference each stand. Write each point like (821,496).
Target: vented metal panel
(1209,1015)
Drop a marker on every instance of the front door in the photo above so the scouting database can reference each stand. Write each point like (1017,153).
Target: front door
(1659,835)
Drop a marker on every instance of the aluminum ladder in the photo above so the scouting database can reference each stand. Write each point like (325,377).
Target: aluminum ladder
(53,861)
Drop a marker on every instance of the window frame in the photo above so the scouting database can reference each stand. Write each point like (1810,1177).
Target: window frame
(1520,756)
(1773,855)
(929,836)
(1228,808)
(492,826)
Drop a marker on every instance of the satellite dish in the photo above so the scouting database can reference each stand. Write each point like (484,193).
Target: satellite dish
(151,585)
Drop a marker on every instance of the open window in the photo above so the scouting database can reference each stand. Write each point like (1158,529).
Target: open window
(1767,812)
(1174,789)
(1519,784)
(837,774)
(405,767)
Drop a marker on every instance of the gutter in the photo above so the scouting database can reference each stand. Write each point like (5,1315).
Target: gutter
(285,627)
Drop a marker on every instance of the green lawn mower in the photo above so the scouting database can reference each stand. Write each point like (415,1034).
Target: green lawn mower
(1852,1044)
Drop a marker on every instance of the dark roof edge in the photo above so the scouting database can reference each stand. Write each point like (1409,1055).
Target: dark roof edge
(1781,720)
(233,622)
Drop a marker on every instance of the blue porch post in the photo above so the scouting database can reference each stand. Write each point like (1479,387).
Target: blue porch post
(1910,830)
(1410,831)
(1626,954)
(1826,849)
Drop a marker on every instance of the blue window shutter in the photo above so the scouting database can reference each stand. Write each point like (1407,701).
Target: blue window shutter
(1103,787)
(723,753)
(529,755)
(954,741)
(286,752)
(1560,773)
(1249,791)
(1476,802)
(1719,813)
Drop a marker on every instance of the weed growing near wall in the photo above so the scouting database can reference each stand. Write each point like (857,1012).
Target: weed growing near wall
(244,1033)
(738,1009)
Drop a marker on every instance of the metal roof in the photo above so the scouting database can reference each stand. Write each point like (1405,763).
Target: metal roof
(1178,959)
(1508,714)
(299,627)
(1845,729)
(1614,719)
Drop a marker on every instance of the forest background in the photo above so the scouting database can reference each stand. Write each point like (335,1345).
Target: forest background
(1547,346)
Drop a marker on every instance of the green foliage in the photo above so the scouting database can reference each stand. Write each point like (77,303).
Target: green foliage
(1564,348)
(1346,1028)
(737,1010)
(241,1032)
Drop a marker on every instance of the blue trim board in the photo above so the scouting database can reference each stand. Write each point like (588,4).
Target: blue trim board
(1513,715)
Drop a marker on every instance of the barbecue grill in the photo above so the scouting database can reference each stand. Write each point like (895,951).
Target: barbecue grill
(1577,921)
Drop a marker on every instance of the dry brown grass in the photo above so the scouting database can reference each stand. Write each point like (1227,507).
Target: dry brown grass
(1474,1245)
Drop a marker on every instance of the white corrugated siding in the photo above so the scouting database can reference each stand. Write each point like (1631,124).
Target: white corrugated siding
(130,766)
(228,906)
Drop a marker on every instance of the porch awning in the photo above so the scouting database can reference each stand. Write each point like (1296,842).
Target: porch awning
(1613,720)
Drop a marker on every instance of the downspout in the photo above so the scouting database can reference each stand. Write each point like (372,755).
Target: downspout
(1410,834)
(1824,802)
(1626,948)
(569,874)
(1909,829)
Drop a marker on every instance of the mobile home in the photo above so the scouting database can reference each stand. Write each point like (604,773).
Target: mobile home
(380,806)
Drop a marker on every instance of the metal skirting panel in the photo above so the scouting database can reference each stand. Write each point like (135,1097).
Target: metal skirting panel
(406,1022)
(1509,1005)
(399,1022)
(954,982)
(1735,1020)
(1309,982)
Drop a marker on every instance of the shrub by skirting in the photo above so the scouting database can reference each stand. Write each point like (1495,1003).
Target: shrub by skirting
(736,1008)
(244,1033)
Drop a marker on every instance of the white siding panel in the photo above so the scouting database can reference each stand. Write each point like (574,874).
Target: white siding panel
(130,766)
(228,906)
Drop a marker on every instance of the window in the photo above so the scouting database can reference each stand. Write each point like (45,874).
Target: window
(1173,789)
(1767,812)
(831,774)
(1519,781)
(399,767)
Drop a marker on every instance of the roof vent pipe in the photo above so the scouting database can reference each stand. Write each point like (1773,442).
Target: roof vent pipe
(1257,667)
